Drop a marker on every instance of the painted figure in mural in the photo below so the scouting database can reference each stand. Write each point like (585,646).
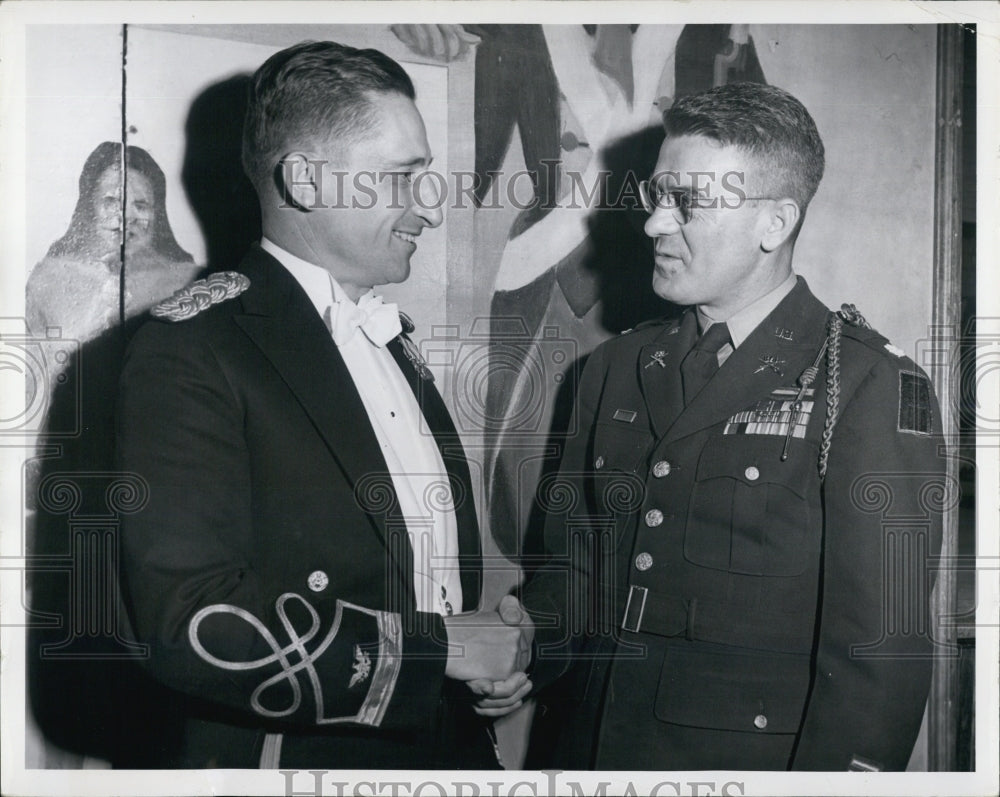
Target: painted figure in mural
(307,568)
(76,286)
(725,591)
(584,100)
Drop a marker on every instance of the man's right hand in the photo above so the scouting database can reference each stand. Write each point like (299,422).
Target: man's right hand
(485,646)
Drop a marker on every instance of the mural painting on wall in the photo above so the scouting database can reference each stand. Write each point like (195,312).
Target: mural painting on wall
(586,103)
(76,286)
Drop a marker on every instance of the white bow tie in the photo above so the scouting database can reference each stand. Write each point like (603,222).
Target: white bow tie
(379,321)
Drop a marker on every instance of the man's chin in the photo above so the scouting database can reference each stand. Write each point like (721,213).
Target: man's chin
(667,289)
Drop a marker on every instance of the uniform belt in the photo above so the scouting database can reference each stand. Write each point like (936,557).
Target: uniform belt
(712,621)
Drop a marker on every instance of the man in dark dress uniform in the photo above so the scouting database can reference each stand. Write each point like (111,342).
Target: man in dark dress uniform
(741,527)
(301,551)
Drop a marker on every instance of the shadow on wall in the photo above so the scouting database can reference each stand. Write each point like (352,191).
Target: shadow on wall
(220,194)
(87,692)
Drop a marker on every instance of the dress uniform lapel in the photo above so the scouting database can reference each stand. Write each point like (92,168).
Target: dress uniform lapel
(283,323)
(453,455)
(659,372)
(774,355)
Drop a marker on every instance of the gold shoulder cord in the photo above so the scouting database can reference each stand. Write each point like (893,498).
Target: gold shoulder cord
(835,324)
(830,348)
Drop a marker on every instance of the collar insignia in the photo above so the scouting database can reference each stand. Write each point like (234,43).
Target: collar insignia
(772,362)
(657,357)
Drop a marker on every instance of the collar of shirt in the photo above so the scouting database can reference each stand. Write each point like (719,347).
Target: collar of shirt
(745,321)
(321,287)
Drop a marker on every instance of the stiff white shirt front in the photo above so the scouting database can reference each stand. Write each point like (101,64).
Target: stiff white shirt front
(418,474)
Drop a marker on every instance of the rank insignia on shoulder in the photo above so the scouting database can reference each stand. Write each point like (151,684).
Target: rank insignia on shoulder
(200,295)
(406,322)
(362,667)
(914,403)
(894,350)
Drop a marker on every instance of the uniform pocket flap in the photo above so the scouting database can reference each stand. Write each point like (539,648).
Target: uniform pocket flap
(732,691)
(754,464)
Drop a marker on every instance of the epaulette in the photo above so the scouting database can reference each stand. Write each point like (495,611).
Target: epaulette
(200,295)
(406,322)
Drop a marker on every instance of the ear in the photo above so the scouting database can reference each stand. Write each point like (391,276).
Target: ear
(782,222)
(298,176)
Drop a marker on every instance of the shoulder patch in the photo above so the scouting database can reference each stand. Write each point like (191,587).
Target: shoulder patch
(200,295)
(914,403)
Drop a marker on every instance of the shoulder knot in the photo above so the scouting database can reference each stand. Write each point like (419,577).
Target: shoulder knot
(200,295)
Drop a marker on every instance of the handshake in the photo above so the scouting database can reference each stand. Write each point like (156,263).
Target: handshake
(490,651)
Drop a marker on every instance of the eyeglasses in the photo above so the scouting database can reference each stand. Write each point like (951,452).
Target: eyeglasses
(681,200)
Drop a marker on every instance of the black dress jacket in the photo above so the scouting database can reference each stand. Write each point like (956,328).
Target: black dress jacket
(269,569)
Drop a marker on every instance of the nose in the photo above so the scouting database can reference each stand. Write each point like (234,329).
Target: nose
(427,200)
(661,221)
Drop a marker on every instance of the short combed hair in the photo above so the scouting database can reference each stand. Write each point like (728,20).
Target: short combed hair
(763,121)
(313,92)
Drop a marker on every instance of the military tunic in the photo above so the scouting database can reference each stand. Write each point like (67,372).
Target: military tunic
(723,605)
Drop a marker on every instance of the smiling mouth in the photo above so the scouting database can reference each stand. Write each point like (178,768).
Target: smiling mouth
(410,238)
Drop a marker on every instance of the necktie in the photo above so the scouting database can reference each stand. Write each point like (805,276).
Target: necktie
(379,321)
(702,361)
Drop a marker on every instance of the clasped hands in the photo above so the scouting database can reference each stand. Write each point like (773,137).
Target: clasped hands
(490,651)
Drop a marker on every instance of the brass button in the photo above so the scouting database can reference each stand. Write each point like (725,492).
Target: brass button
(661,469)
(599,463)
(654,517)
(318,580)
(760,722)
(643,561)
(752,473)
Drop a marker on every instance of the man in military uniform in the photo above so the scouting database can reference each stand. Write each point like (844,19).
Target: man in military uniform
(722,571)
(301,553)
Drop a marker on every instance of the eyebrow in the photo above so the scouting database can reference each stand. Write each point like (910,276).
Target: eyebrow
(409,164)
